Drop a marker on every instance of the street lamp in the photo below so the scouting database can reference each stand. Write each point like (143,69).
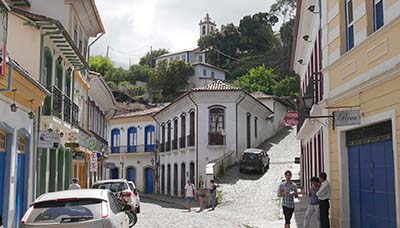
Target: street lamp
(308,101)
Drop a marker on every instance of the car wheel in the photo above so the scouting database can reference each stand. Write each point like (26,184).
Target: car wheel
(138,210)
(133,220)
(262,170)
(268,165)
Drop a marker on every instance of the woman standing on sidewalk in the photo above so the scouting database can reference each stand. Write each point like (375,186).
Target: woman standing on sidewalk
(202,191)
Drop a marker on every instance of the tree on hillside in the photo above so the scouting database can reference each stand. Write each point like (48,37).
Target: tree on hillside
(258,79)
(285,9)
(167,80)
(138,73)
(100,64)
(289,86)
(149,58)
(116,75)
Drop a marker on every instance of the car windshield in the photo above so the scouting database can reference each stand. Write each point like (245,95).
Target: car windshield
(112,186)
(65,211)
(131,186)
(249,156)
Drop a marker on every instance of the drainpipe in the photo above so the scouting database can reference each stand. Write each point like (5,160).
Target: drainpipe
(237,123)
(157,160)
(9,77)
(88,54)
(197,138)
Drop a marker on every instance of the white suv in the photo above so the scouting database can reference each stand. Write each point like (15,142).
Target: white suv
(121,189)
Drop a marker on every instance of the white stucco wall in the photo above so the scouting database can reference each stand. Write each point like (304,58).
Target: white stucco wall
(280,111)
(19,49)
(18,120)
(123,127)
(199,80)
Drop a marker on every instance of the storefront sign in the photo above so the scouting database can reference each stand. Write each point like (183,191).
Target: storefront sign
(78,156)
(347,118)
(291,119)
(91,143)
(49,140)
(93,162)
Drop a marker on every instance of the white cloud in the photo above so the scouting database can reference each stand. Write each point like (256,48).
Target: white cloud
(132,25)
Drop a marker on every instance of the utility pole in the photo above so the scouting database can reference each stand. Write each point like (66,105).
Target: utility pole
(108,49)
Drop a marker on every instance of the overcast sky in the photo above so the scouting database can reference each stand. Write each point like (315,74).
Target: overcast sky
(133,25)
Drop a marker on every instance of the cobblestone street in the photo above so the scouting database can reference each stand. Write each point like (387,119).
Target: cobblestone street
(249,200)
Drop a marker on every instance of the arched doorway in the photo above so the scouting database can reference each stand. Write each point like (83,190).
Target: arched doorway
(149,180)
(115,140)
(22,149)
(183,177)
(169,179)
(163,179)
(191,174)
(114,173)
(131,174)
(176,179)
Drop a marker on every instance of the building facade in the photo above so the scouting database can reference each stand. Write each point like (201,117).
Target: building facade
(307,62)
(132,149)
(20,98)
(59,32)
(231,121)
(360,58)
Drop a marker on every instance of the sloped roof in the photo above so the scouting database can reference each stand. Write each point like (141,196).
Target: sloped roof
(126,110)
(217,85)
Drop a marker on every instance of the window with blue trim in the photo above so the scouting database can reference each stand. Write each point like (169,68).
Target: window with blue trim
(378,14)
(349,25)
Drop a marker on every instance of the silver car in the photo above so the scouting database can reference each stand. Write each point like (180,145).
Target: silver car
(86,208)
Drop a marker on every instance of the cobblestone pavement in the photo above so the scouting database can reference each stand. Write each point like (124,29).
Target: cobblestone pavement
(249,200)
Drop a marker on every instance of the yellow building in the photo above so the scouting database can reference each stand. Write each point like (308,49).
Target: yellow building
(361,57)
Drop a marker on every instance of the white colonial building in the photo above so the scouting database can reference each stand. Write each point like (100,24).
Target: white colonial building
(203,125)
(204,73)
(132,148)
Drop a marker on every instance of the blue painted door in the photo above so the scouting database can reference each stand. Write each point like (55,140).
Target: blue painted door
(132,139)
(114,173)
(2,174)
(115,137)
(149,172)
(131,174)
(149,133)
(371,185)
(19,204)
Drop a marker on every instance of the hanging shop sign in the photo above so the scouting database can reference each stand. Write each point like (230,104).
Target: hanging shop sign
(347,118)
(49,140)
(91,143)
(93,162)
(291,119)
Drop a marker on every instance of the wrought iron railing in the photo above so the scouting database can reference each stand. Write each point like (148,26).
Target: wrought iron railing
(67,109)
(53,103)
(75,114)
(190,140)
(133,149)
(182,142)
(168,146)
(215,138)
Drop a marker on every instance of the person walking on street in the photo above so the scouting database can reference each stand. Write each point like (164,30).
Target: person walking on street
(74,184)
(324,194)
(314,203)
(287,190)
(189,194)
(213,194)
(202,194)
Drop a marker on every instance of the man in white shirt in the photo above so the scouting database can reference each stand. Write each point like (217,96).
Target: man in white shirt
(189,194)
(324,194)
(74,184)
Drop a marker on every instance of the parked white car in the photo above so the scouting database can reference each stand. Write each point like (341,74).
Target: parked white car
(121,189)
(135,191)
(85,208)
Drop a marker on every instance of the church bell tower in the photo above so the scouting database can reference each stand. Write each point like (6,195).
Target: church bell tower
(207,26)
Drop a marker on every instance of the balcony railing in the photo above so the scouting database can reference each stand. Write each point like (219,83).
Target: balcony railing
(75,114)
(215,138)
(133,149)
(162,146)
(174,144)
(168,146)
(190,140)
(53,103)
(182,142)
(67,109)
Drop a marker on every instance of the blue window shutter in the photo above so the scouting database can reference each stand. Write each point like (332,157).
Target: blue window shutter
(378,15)
(350,37)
